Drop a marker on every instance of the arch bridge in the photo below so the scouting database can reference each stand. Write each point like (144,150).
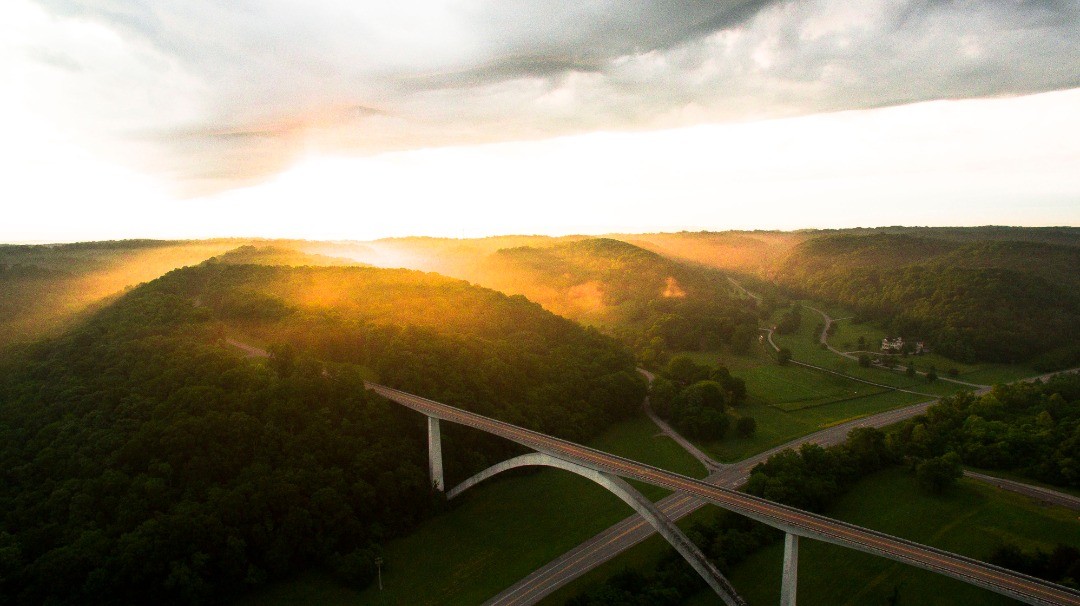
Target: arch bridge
(611,472)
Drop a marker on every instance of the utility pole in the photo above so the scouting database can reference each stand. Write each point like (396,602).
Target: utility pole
(378,565)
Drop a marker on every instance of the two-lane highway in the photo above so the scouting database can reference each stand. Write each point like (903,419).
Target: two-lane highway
(795,521)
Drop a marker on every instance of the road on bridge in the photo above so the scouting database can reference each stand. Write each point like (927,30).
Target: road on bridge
(795,521)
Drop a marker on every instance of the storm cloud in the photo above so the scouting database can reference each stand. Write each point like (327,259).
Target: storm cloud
(214,95)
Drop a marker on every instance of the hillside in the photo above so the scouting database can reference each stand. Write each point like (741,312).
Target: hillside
(993,300)
(43,288)
(144,459)
(278,255)
(654,303)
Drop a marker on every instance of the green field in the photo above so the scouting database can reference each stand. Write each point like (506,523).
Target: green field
(775,426)
(498,532)
(847,333)
(972,520)
(791,401)
(805,347)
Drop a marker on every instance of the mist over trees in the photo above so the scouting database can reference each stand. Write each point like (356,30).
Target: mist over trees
(653,303)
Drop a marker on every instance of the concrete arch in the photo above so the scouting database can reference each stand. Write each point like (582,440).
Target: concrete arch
(644,507)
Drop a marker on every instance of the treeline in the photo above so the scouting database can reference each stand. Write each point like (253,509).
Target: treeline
(655,304)
(812,478)
(980,301)
(700,401)
(1030,429)
(144,460)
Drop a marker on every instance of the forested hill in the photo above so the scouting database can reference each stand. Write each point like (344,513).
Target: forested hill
(984,300)
(43,288)
(251,254)
(145,460)
(650,301)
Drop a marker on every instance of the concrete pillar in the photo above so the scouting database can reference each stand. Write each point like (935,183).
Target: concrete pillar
(434,447)
(791,570)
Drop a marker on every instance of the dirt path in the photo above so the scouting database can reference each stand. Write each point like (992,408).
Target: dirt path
(710,464)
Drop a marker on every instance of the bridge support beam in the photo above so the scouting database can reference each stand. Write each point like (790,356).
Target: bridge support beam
(644,507)
(434,445)
(791,569)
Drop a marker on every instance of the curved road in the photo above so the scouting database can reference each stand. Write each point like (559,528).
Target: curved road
(849,377)
(789,519)
(824,340)
(634,529)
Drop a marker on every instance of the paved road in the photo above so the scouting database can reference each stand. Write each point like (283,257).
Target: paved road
(1046,495)
(735,283)
(634,529)
(250,351)
(1028,589)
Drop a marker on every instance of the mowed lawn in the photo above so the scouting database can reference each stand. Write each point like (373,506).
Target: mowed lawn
(498,532)
(846,336)
(790,401)
(776,426)
(972,520)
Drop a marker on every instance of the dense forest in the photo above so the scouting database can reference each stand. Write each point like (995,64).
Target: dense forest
(1000,294)
(251,254)
(1030,429)
(655,304)
(143,459)
(700,402)
(992,301)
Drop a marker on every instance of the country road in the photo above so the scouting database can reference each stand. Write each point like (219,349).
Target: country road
(824,340)
(791,520)
(1044,495)
(633,529)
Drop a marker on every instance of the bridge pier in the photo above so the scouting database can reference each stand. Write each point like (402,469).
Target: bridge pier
(434,444)
(791,570)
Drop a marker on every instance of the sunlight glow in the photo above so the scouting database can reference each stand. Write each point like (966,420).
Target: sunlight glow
(974,162)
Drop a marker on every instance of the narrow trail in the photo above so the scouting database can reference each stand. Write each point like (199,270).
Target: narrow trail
(824,340)
(710,464)
(776,347)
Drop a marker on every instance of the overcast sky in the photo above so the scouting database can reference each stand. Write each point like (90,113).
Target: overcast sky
(345,119)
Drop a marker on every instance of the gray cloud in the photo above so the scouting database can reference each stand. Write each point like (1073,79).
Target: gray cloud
(232,92)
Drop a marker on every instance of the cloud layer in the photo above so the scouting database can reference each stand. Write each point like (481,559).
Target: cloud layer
(214,95)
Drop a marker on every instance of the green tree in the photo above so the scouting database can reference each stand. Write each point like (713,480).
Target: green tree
(745,427)
(783,356)
(940,473)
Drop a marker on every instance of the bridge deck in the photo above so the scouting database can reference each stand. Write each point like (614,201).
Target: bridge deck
(798,522)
